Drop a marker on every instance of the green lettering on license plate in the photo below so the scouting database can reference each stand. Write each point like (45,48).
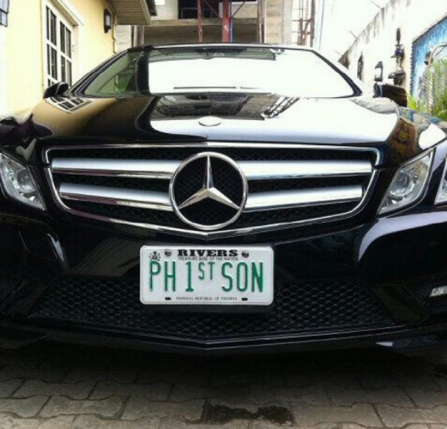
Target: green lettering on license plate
(241,276)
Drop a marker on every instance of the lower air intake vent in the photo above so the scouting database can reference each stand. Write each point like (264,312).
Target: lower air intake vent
(300,307)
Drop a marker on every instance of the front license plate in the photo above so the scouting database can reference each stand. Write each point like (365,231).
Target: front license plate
(181,275)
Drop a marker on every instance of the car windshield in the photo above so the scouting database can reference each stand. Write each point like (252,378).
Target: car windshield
(292,72)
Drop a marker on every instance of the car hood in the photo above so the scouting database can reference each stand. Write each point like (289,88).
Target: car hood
(231,117)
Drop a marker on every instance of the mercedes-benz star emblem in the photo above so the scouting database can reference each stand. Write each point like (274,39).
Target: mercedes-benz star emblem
(208,191)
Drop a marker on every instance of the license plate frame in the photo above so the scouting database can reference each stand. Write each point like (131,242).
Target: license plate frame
(249,270)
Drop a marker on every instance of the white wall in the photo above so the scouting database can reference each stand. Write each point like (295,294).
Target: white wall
(338,22)
(320,15)
(377,41)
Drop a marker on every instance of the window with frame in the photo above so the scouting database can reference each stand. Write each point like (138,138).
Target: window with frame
(4,10)
(59,48)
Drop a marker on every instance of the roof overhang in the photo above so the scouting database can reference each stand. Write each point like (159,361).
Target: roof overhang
(134,12)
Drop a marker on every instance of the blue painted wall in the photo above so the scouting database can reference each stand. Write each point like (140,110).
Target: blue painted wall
(436,36)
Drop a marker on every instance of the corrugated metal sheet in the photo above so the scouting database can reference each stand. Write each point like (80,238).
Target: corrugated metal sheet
(133,12)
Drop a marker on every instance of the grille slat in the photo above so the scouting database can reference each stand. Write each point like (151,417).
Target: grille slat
(307,197)
(253,170)
(115,196)
(284,183)
(236,151)
(260,201)
(110,167)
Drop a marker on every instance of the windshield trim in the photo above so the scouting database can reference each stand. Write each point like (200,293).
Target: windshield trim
(79,88)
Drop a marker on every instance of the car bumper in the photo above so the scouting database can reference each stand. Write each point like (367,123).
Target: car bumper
(412,341)
(367,285)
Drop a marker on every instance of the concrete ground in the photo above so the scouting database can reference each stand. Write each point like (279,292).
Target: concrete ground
(60,387)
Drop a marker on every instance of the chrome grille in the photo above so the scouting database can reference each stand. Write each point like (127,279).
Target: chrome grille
(289,185)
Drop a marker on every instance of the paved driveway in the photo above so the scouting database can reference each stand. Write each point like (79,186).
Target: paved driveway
(59,387)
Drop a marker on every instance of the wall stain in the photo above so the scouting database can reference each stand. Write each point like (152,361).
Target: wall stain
(221,414)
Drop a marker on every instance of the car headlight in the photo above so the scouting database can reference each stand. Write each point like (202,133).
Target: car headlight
(18,183)
(408,184)
(441,196)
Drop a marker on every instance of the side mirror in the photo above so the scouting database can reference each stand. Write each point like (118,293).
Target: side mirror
(395,93)
(56,90)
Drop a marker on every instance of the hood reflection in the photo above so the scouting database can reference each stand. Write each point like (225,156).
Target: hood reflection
(224,105)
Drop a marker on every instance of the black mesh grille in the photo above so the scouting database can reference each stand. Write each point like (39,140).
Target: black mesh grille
(305,306)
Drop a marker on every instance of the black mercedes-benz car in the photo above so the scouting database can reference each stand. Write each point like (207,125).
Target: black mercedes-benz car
(223,198)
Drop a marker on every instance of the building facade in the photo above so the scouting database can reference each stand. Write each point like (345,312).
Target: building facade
(47,41)
(398,41)
(177,22)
